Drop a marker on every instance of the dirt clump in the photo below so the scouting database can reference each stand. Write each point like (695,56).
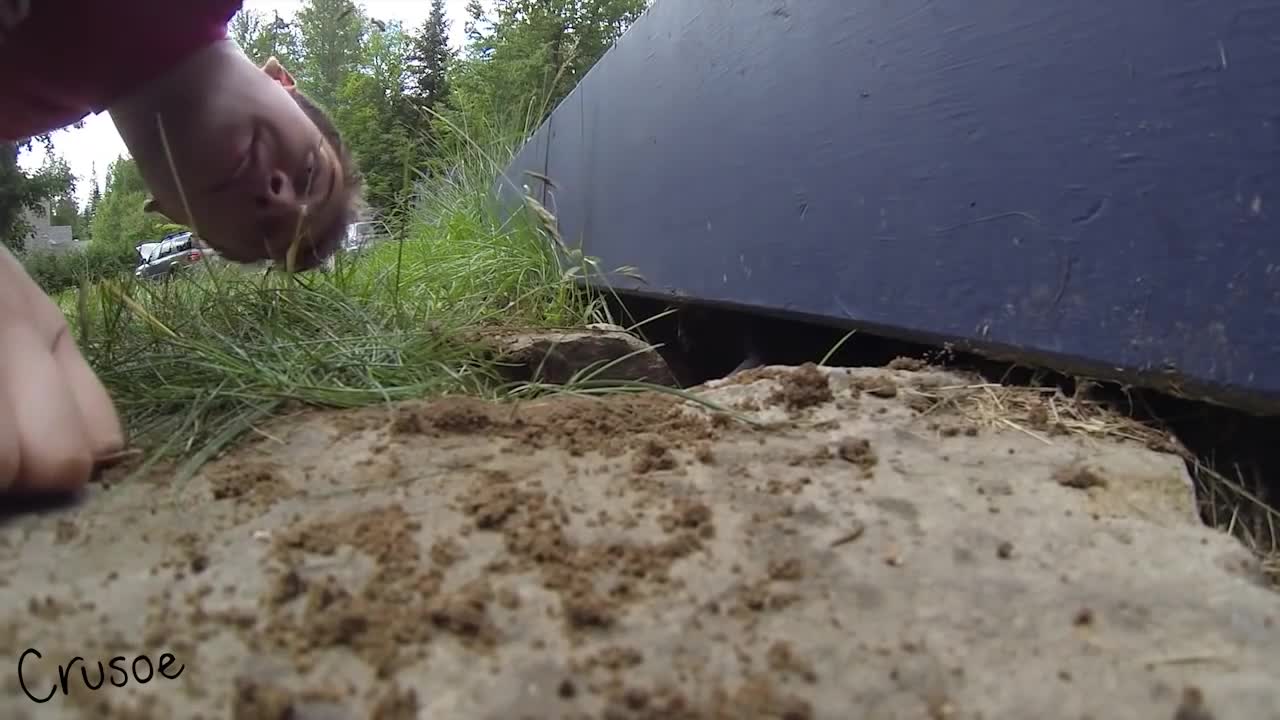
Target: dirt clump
(791,568)
(758,697)
(612,658)
(907,363)
(885,388)
(653,454)
(396,704)
(65,531)
(859,452)
(811,457)
(804,387)
(253,700)
(782,658)
(465,614)
(688,514)
(258,483)
(881,386)
(1192,706)
(1079,477)
(760,597)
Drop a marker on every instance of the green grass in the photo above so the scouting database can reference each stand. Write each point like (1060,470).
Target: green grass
(195,361)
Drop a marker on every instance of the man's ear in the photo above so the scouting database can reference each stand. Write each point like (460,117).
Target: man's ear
(276,71)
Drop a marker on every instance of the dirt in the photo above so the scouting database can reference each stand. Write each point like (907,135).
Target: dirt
(803,388)
(405,602)
(859,452)
(576,425)
(258,483)
(1080,478)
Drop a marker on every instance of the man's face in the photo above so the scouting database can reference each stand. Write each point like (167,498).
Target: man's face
(254,173)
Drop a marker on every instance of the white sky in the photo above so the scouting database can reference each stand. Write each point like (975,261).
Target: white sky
(97,144)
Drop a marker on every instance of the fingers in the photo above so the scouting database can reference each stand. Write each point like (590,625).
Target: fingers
(102,430)
(10,451)
(55,415)
(50,430)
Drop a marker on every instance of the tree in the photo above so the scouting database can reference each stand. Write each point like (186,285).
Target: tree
(119,220)
(331,33)
(64,210)
(429,60)
(21,191)
(377,117)
(262,37)
(95,197)
(526,56)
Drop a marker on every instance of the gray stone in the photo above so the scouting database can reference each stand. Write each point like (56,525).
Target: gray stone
(859,554)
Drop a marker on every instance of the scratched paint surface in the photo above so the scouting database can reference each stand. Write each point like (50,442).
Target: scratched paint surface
(1082,184)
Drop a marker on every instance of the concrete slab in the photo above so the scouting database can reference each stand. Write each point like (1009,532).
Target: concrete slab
(892,544)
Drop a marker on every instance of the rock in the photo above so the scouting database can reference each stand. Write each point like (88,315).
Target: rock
(556,356)
(862,554)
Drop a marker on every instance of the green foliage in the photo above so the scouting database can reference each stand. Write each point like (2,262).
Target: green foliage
(378,120)
(262,37)
(95,199)
(530,57)
(429,59)
(57,272)
(331,42)
(119,222)
(21,191)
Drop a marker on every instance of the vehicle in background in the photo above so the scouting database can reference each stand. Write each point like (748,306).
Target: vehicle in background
(359,237)
(172,254)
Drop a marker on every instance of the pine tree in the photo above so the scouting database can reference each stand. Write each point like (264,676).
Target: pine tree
(95,199)
(429,59)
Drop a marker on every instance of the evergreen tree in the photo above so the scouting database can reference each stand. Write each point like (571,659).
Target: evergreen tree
(429,59)
(95,197)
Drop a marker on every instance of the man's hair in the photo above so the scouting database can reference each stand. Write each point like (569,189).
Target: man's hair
(326,238)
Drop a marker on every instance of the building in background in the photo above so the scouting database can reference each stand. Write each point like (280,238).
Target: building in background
(47,237)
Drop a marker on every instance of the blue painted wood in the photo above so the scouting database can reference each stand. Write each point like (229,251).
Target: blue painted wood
(1092,186)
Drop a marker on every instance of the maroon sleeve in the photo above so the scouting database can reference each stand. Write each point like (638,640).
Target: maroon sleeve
(61,60)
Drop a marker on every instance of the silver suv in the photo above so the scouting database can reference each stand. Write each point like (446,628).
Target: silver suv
(174,253)
(360,236)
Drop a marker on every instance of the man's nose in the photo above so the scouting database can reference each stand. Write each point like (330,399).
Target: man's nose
(278,195)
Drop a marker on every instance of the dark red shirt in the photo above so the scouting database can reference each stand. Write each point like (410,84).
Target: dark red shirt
(61,60)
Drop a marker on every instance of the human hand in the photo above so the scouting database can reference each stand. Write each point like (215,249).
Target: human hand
(56,418)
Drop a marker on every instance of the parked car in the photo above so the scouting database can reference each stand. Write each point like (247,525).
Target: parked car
(360,236)
(172,254)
